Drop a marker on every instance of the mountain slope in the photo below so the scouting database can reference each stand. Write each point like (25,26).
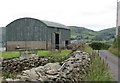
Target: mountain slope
(88,35)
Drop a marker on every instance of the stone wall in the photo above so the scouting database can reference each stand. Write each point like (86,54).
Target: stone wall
(74,69)
(18,64)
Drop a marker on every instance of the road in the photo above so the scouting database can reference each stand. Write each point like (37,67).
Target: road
(113,63)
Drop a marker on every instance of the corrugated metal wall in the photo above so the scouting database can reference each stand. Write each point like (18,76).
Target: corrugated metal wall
(34,30)
(26,29)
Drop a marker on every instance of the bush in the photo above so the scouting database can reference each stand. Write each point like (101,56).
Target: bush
(99,45)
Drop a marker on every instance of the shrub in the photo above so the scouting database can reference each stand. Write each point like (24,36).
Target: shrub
(99,45)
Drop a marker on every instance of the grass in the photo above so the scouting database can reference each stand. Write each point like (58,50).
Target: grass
(55,56)
(11,54)
(98,70)
(65,52)
(115,46)
(88,49)
(59,56)
(114,51)
(43,53)
(15,54)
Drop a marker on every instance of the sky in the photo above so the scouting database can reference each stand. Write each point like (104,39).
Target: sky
(92,14)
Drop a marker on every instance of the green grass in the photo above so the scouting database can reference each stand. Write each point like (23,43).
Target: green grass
(14,54)
(88,49)
(43,53)
(59,56)
(115,46)
(11,54)
(65,52)
(114,51)
(98,70)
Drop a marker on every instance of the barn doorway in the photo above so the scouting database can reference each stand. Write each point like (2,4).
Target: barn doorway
(56,41)
(66,42)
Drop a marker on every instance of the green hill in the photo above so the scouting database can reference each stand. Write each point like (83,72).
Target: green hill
(81,33)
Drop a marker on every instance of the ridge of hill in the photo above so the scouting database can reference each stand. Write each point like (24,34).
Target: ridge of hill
(82,33)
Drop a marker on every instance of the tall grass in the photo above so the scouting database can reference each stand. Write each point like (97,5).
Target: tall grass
(114,51)
(98,68)
(59,56)
(87,48)
(115,48)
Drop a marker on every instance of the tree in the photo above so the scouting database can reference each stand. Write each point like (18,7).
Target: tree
(96,45)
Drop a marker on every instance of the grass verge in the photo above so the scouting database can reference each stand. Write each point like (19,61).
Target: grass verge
(114,51)
(98,68)
(87,48)
(115,48)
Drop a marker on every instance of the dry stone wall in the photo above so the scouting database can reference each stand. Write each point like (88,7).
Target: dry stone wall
(18,64)
(73,69)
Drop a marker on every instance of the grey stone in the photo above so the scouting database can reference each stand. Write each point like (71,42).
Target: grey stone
(52,72)
(72,69)
(51,66)
(9,79)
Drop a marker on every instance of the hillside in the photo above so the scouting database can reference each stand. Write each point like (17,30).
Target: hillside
(81,33)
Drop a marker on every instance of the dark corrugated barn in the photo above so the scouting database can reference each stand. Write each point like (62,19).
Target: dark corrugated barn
(36,34)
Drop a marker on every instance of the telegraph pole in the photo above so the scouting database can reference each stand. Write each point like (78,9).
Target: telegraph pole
(117,18)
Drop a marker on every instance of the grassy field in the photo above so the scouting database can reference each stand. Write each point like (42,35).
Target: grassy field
(11,54)
(15,54)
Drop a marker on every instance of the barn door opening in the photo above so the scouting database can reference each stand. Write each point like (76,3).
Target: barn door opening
(66,42)
(56,41)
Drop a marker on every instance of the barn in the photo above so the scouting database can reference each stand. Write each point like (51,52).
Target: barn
(33,33)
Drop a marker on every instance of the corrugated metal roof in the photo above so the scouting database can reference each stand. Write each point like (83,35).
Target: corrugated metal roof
(54,24)
(48,23)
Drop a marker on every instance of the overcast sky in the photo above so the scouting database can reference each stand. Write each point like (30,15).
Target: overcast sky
(92,14)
